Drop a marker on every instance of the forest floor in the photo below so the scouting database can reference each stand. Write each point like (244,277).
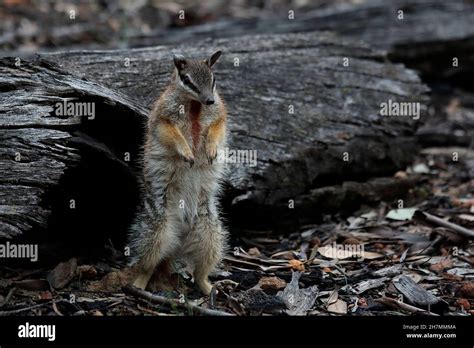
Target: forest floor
(380,261)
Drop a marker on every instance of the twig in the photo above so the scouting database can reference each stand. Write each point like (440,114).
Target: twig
(466,259)
(8,297)
(20,310)
(425,217)
(172,302)
(340,269)
(24,309)
(56,310)
(404,306)
(144,309)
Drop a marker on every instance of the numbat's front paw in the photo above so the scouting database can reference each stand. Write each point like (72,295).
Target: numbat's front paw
(187,156)
(211,152)
(189,160)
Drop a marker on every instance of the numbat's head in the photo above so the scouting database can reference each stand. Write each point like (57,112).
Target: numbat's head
(195,77)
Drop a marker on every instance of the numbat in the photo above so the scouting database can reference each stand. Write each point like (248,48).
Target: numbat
(179,217)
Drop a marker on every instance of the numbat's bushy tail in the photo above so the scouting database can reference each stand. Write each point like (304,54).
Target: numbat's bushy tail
(179,217)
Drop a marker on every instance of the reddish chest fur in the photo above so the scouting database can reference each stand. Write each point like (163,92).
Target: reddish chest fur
(194,113)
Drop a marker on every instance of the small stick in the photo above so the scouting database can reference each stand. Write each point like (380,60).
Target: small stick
(8,297)
(24,309)
(404,306)
(56,310)
(20,310)
(440,222)
(171,302)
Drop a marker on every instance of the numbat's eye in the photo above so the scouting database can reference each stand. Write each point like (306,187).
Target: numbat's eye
(185,79)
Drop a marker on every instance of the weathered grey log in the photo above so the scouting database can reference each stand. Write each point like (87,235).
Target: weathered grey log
(336,115)
(336,108)
(31,161)
(349,195)
(50,169)
(452,123)
(368,284)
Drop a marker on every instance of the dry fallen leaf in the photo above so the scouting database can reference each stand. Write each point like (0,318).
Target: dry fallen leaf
(452,277)
(340,253)
(463,303)
(338,307)
(114,281)
(45,295)
(466,290)
(442,265)
(463,202)
(254,252)
(333,297)
(271,284)
(63,273)
(420,168)
(466,217)
(315,242)
(351,240)
(401,214)
(401,175)
(379,246)
(297,265)
(87,271)
(368,284)
(287,255)
(299,301)
(362,302)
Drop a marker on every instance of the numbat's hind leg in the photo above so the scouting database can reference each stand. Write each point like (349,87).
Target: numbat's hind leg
(154,247)
(208,245)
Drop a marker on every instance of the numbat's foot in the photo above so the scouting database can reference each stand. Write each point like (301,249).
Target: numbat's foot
(141,281)
(205,286)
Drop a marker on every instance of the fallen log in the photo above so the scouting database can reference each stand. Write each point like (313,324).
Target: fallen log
(64,176)
(335,132)
(312,121)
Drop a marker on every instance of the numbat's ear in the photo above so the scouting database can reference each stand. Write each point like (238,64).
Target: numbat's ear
(179,61)
(215,56)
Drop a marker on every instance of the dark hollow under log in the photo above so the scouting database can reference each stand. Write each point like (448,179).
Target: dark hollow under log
(64,177)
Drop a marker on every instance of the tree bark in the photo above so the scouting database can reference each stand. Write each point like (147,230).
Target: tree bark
(63,176)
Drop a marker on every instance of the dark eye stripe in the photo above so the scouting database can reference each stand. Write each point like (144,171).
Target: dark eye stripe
(213,82)
(188,83)
(194,88)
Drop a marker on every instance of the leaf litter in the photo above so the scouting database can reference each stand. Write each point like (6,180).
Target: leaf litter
(382,260)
